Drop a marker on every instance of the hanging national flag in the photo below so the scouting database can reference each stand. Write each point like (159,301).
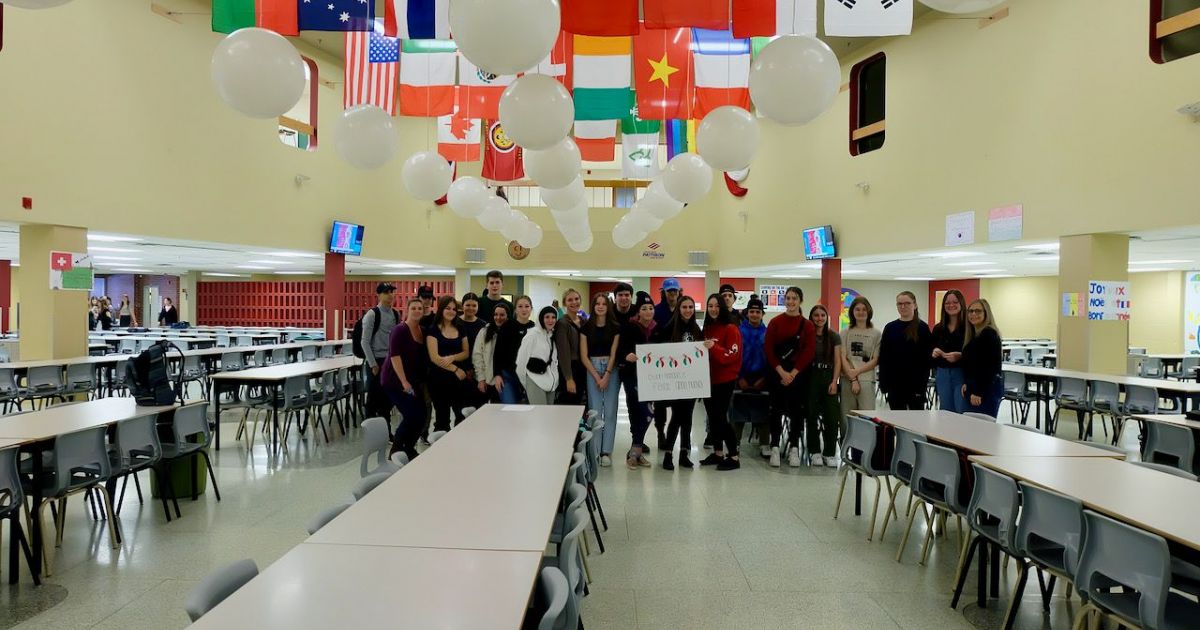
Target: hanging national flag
(639,145)
(372,63)
(458,136)
(602,80)
(607,18)
(560,63)
(62,261)
(722,71)
(676,13)
(501,156)
(416,19)
(337,15)
(427,77)
(596,139)
(664,77)
(681,137)
(774,17)
(482,89)
(277,15)
(868,18)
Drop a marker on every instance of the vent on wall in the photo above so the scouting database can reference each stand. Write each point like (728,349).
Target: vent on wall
(476,255)
(697,259)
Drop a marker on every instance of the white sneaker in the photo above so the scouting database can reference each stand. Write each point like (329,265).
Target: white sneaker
(774,463)
(794,457)
(765,451)
(817,460)
(831,462)
(605,461)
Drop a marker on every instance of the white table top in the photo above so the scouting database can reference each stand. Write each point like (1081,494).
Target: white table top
(11,442)
(94,360)
(68,418)
(287,370)
(492,483)
(981,436)
(1186,387)
(319,587)
(1170,418)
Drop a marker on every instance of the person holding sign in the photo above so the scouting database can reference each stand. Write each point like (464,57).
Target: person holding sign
(639,329)
(537,360)
(724,343)
(681,329)
(790,346)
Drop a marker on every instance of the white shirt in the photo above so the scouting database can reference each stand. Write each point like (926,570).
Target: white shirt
(538,343)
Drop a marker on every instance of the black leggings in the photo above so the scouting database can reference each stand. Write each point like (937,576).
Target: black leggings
(444,390)
(716,407)
(906,396)
(790,400)
(681,423)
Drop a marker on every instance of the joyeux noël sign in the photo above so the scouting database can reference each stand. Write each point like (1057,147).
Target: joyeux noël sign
(1108,300)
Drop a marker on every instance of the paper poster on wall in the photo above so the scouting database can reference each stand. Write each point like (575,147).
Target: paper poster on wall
(1191,313)
(1108,300)
(960,228)
(672,371)
(772,296)
(1070,305)
(1004,224)
(70,271)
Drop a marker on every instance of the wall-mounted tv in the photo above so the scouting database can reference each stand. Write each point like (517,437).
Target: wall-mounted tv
(818,242)
(346,238)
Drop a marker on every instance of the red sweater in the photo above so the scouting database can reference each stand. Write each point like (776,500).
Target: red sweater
(785,328)
(725,360)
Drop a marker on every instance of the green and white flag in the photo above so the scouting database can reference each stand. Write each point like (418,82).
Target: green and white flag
(639,144)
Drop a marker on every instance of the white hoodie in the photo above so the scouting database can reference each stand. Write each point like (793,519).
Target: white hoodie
(538,343)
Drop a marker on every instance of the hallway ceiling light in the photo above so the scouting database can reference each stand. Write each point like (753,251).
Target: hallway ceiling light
(560,272)
(915,279)
(258,267)
(292,254)
(295,273)
(110,249)
(790,275)
(108,238)
(402,266)
(108,258)
(951,254)
(269,262)
(218,274)
(1159,262)
(853,272)
(439,272)
(998,275)
(985,271)
(1040,246)
(132,270)
(1042,258)
(973,263)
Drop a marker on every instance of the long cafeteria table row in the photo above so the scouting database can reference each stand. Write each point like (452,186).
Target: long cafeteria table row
(455,539)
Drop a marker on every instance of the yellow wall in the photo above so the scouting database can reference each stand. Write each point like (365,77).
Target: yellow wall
(1156,315)
(1023,307)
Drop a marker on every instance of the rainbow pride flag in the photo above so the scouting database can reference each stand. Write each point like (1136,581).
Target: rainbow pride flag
(681,137)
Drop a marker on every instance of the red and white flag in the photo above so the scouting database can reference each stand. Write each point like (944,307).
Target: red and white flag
(62,261)
(502,158)
(596,139)
(767,18)
(480,90)
(427,77)
(372,67)
(560,63)
(458,136)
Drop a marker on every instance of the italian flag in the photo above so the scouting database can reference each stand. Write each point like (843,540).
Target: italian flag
(596,139)
(277,15)
(427,77)
(602,77)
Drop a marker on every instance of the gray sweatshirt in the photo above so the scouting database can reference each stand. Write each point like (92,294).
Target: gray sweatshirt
(376,346)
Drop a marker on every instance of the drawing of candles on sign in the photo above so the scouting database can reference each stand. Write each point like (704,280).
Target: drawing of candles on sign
(672,371)
(1108,300)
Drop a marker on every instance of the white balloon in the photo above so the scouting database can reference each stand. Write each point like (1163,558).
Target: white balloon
(657,202)
(515,226)
(536,111)
(258,73)
(427,175)
(496,213)
(961,6)
(467,195)
(555,167)
(35,4)
(625,236)
(581,245)
(687,178)
(642,221)
(727,138)
(569,217)
(568,196)
(575,232)
(532,236)
(365,137)
(505,36)
(794,79)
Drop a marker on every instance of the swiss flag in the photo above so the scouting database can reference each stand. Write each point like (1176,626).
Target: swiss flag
(61,261)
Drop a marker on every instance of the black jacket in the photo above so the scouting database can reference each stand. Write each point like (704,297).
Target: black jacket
(981,362)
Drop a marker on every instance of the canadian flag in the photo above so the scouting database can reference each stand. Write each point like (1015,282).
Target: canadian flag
(61,261)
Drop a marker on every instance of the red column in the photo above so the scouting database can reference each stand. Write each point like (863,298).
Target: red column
(5,293)
(335,295)
(831,287)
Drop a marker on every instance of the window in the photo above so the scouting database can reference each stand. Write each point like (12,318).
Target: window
(868,79)
(1174,29)
(298,127)
(598,193)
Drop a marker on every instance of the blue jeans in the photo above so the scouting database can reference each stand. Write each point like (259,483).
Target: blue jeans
(413,416)
(990,403)
(512,392)
(604,403)
(949,382)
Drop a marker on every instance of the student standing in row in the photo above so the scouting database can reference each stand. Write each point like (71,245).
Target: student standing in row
(470,324)
(983,385)
(448,349)
(572,375)
(403,378)
(947,350)
(754,371)
(824,409)
(125,312)
(377,325)
(638,330)
(598,342)
(623,308)
(681,329)
(508,386)
(729,296)
(494,295)
(537,360)
(169,314)
(905,353)
(667,304)
(860,355)
(431,317)
(724,344)
(484,355)
(789,346)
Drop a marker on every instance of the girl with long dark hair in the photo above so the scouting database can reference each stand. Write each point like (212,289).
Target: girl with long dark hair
(507,384)
(448,349)
(724,343)
(824,409)
(484,355)
(598,346)
(681,328)
(947,351)
(790,349)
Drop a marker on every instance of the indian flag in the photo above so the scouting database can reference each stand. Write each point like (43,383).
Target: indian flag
(596,139)
(427,77)
(602,77)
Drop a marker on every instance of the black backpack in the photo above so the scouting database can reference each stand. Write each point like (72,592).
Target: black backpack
(148,378)
(356,334)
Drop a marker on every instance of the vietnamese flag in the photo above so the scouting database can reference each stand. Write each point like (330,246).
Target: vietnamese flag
(710,14)
(62,261)
(663,73)
(608,18)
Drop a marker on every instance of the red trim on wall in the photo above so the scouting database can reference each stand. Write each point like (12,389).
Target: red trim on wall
(5,292)
(335,295)
(301,304)
(968,286)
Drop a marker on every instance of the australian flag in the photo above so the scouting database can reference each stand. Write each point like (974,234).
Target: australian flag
(337,15)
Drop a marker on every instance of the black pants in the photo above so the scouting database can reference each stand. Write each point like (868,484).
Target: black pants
(444,390)
(716,406)
(681,423)
(579,376)
(906,396)
(412,418)
(789,400)
(661,411)
(126,321)
(378,405)
(639,412)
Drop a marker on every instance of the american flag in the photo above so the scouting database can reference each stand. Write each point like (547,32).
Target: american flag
(372,67)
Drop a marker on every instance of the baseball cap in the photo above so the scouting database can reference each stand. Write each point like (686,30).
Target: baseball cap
(670,284)
(642,298)
(755,303)
(425,292)
(384,287)
(623,286)
(727,288)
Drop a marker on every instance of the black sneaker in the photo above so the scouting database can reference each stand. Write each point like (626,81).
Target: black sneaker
(662,442)
(729,463)
(712,460)
(684,460)
(645,449)
(668,462)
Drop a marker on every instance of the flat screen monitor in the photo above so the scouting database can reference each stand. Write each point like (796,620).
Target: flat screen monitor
(818,242)
(346,238)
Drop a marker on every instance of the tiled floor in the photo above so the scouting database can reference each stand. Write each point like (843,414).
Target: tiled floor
(753,548)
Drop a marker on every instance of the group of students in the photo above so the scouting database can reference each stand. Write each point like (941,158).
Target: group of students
(448,356)
(102,315)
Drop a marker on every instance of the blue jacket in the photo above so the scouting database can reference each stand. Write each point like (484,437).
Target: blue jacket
(662,313)
(754,352)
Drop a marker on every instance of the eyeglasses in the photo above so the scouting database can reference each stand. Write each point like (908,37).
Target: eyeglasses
(974,311)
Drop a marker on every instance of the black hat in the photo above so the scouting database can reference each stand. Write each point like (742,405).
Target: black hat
(642,298)
(755,302)
(542,315)
(425,291)
(623,286)
(727,288)
(384,287)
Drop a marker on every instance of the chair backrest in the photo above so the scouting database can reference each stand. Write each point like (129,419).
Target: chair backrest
(1116,554)
(296,392)
(190,421)
(79,452)
(329,386)
(260,358)
(936,475)
(593,452)
(1050,529)
(584,446)
(1151,367)
(570,561)
(573,496)
(81,374)
(326,515)
(1104,395)
(8,381)
(128,346)
(979,416)
(575,473)
(904,458)
(374,440)
(191,364)
(1014,382)
(218,585)
(589,419)
(436,435)
(1141,399)
(1072,389)
(995,502)
(1170,470)
(326,352)
(245,340)
(466,411)
(279,356)
(222,340)
(553,593)
(232,361)
(859,445)
(1169,444)
(364,486)
(45,377)
(137,441)
(11,495)
(309,352)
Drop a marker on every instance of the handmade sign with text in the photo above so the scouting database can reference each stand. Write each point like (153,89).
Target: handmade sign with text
(672,371)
